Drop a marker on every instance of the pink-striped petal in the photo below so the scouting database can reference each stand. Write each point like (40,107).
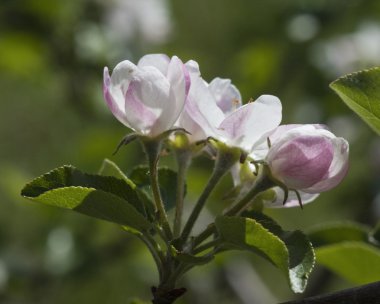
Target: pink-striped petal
(301,162)
(115,105)
(338,168)
(140,116)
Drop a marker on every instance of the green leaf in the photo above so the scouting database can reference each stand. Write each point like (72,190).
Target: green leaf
(167,179)
(361,92)
(102,197)
(266,221)
(292,253)
(337,232)
(109,168)
(355,261)
(374,235)
(138,301)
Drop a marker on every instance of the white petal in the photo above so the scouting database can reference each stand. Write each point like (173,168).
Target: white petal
(115,105)
(245,126)
(121,77)
(140,117)
(227,96)
(175,102)
(202,108)
(147,99)
(292,200)
(193,68)
(122,74)
(159,61)
(196,132)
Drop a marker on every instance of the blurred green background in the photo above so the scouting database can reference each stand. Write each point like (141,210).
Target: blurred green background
(52,54)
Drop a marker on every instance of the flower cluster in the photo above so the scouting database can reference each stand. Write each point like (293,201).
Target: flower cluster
(160,94)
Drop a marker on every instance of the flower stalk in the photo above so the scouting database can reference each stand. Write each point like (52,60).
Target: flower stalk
(226,157)
(262,183)
(183,157)
(152,148)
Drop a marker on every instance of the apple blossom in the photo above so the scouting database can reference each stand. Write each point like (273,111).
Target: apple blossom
(147,97)
(244,176)
(214,110)
(219,93)
(308,158)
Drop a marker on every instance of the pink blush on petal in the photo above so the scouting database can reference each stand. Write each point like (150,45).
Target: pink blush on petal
(303,161)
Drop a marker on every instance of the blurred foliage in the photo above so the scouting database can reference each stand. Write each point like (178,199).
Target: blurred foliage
(51,58)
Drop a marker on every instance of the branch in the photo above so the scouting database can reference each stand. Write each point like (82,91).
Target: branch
(369,293)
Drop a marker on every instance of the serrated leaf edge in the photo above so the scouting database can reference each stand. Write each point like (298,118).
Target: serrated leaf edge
(287,270)
(353,74)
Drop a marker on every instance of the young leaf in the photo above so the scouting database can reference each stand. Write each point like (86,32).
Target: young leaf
(167,181)
(337,232)
(292,254)
(355,261)
(109,168)
(361,92)
(102,197)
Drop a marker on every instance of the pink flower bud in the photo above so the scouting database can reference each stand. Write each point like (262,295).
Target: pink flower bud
(307,158)
(147,97)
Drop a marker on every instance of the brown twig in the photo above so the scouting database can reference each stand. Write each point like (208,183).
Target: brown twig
(369,293)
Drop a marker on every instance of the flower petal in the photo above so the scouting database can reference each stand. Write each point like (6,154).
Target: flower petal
(141,117)
(115,105)
(201,107)
(292,200)
(196,132)
(261,148)
(281,130)
(302,161)
(227,96)
(121,77)
(159,61)
(193,67)
(338,168)
(245,126)
(172,107)
(146,100)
